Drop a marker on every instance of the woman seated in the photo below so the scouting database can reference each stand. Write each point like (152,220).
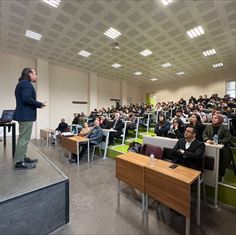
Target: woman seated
(195,121)
(85,130)
(162,126)
(176,130)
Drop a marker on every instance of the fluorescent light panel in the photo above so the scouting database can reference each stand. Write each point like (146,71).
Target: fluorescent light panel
(53,3)
(166,2)
(138,73)
(166,65)
(195,32)
(33,35)
(180,73)
(209,52)
(153,79)
(112,33)
(116,65)
(146,52)
(84,53)
(218,65)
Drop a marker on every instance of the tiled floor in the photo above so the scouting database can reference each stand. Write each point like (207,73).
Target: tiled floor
(94,208)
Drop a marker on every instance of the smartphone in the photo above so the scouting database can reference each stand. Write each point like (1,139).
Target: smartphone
(173,166)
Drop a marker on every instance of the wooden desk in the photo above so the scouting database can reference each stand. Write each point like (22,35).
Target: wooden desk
(9,125)
(44,134)
(172,187)
(72,144)
(130,169)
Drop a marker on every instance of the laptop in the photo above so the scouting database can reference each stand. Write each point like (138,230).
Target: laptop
(7,116)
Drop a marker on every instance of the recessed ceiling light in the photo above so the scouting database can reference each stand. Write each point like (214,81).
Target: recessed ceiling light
(209,52)
(166,65)
(195,32)
(153,79)
(33,35)
(180,73)
(166,2)
(116,65)
(53,3)
(146,52)
(217,65)
(138,73)
(84,53)
(112,33)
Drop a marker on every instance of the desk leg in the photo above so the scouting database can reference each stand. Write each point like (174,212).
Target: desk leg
(13,139)
(187,232)
(106,145)
(4,136)
(198,200)
(88,151)
(47,139)
(123,139)
(148,120)
(118,187)
(78,153)
(143,202)
(136,136)
(146,203)
(216,179)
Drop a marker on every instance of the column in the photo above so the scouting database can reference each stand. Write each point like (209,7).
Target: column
(92,92)
(42,96)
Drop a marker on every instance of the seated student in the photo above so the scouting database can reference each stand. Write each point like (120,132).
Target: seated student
(162,126)
(76,119)
(62,127)
(105,123)
(85,130)
(176,130)
(189,151)
(217,128)
(117,125)
(195,120)
(94,137)
(132,124)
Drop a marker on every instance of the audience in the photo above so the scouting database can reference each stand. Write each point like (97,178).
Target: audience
(85,130)
(189,151)
(95,136)
(218,131)
(176,130)
(195,121)
(162,126)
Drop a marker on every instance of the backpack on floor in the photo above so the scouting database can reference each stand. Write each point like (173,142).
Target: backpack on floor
(134,147)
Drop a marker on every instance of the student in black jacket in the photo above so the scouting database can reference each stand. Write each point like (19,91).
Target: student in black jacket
(117,125)
(189,151)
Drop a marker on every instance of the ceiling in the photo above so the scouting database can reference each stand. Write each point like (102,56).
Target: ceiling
(144,24)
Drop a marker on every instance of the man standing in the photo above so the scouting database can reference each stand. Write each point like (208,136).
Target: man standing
(25,114)
(189,151)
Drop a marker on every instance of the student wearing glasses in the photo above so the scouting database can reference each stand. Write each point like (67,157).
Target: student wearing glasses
(189,151)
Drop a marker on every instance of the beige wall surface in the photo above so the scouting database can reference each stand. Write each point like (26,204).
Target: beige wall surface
(66,85)
(59,86)
(135,94)
(205,84)
(108,89)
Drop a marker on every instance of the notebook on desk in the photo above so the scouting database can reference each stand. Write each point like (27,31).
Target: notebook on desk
(7,116)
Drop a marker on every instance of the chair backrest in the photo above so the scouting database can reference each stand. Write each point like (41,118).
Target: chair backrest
(148,149)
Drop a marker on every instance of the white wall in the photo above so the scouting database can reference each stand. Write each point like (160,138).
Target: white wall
(11,67)
(66,85)
(135,94)
(59,86)
(108,89)
(205,84)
